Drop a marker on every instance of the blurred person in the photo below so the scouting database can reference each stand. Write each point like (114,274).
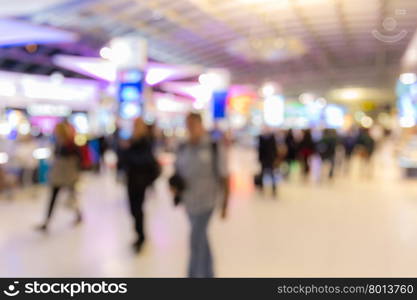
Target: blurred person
(327,149)
(216,133)
(349,141)
(267,156)
(291,150)
(65,170)
(7,182)
(365,147)
(202,165)
(142,169)
(307,148)
(103,146)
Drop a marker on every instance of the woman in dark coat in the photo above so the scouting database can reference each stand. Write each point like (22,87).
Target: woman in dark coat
(141,169)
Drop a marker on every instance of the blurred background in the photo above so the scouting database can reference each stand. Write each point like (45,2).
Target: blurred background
(332,81)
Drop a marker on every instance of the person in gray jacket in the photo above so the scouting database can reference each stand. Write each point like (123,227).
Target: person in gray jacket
(202,165)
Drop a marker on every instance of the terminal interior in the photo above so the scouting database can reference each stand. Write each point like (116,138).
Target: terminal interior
(249,68)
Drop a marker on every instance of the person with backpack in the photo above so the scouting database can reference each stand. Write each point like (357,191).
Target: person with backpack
(65,170)
(200,180)
(142,169)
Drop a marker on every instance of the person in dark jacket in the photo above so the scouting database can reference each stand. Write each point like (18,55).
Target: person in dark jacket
(327,149)
(139,164)
(307,148)
(267,155)
(349,143)
(291,150)
(365,146)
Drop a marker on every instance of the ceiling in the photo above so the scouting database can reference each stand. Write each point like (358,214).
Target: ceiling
(317,44)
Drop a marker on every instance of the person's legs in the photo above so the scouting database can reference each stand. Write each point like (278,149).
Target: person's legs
(74,204)
(332,161)
(136,194)
(306,166)
(54,194)
(262,176)
(273,179)
(201,263)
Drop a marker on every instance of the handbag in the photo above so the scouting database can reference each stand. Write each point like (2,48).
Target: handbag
(177,183)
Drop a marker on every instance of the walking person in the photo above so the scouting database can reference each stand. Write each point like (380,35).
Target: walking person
(307,148)
(141,169)
(327,147)
(202,165)
(291,151)
(349,141)
(366,147)
(65,170)
(267,156)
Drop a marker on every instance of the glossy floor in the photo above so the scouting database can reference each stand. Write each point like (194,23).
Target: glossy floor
(353,226)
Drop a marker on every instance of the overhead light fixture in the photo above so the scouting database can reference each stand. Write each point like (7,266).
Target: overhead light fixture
(408,78)
(106,53)
(211,80)
(268,89)
(350,94)
(306,98)
(367,122)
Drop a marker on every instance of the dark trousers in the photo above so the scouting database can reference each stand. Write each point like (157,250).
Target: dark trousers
(305,161)
(332,162)
(52,201)
(136,193)
(268,170)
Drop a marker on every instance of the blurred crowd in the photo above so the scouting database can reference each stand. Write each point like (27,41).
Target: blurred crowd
(280,151)
(200,181)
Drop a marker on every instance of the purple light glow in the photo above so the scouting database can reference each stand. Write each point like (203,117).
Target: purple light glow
(105,70)
(190,89)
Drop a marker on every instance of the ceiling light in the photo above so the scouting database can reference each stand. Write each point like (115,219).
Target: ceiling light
(105,53)
(268,89)
(350,94)
(367,122)
(306,98)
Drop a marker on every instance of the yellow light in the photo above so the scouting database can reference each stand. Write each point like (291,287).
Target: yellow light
(350,94)
(367,122)
(80,140)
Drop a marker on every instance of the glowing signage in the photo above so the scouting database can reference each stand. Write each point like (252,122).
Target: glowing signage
(274,110)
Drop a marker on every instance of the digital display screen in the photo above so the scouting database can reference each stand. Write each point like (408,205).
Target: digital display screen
(130,94)
(219,104)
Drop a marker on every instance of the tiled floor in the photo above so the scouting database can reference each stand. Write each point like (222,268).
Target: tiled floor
(350,227)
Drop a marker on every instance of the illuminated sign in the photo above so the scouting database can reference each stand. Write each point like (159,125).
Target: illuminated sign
(130,94)
(274,110)
(49,110)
